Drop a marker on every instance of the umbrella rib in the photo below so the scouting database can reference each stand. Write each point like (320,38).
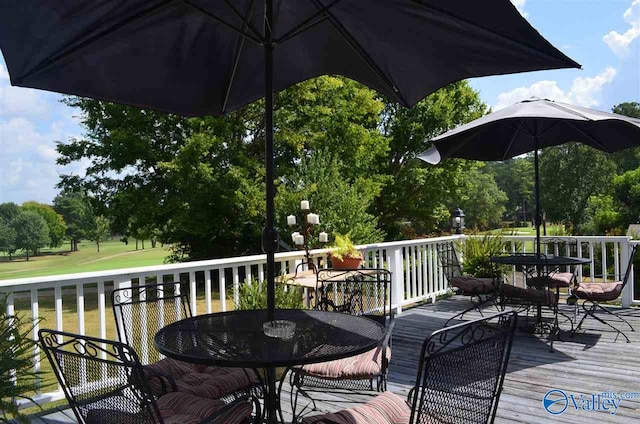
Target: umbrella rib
(474,24)
(236,60)
(362,53)
(63,54)
(593,140)
(221,21)
(307,23)
(246,21)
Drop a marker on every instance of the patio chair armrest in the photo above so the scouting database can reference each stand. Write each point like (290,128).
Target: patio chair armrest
(150,374)
(386,343)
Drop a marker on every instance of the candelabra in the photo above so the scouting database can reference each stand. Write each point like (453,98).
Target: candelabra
(300,238)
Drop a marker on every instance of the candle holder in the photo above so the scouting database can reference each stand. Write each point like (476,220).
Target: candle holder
(301,237)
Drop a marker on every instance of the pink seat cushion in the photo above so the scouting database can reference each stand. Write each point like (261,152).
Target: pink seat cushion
(386,408)
(599,291)
(199,380)
(359,367)
(474,285)
(183,408)
(553,280)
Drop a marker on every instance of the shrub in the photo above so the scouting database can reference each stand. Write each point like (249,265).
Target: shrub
(17,377)
(253,295)
(476,255)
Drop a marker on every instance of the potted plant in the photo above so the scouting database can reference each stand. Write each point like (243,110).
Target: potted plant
(344,254)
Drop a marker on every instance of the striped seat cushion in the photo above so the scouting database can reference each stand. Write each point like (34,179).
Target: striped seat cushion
(474,285)
(198,380)
(599,291)
(553,280)
(183,408)
(363,366)
(386,408)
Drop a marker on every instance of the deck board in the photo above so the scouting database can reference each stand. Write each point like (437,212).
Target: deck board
(586,363)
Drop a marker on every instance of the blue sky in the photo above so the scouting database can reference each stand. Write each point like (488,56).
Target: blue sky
(602,35)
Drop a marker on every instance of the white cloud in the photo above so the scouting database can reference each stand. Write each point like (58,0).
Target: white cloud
(583,92)
(17,101)
(519,4)
(619,43)
(4,75)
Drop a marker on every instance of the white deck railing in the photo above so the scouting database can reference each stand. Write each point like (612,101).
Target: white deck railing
(417,276)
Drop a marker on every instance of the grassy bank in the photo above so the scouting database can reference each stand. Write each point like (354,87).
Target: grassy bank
(113,255)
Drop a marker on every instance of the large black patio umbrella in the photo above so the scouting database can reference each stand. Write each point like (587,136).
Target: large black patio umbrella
(531,125)
(210,57)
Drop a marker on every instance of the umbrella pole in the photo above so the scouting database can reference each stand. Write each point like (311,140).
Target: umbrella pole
(270,233)
(537,177)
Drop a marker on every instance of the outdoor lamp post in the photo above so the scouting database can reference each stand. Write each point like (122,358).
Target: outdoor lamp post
(300,238)
(457,220)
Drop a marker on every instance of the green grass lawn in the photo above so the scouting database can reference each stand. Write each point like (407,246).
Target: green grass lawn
(113,255)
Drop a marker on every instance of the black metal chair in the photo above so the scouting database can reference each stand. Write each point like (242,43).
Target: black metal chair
(361,292)
(561,247)
(481,290)
(594,293)
(460,379)
(104,382)
(141,311)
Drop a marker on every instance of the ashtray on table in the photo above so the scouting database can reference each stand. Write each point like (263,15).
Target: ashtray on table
(280,328)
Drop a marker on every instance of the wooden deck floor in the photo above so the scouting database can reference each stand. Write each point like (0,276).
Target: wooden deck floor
(590,362)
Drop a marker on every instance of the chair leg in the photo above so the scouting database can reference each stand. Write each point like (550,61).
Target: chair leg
(475,305)
(591,312)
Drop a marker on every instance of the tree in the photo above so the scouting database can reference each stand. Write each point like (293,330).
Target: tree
(100,231)
(9,211)
(55,222)
(75,208)
(481,199)
(415,194)
(602,216)
(32,232)
(515,177)
(7,237)
(569,175)
(626,191)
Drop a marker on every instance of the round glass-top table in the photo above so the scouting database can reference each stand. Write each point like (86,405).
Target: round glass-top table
(245,339)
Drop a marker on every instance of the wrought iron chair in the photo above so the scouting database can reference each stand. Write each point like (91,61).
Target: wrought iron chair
(362,292)
(594,293)
(561,247)
(143,310)
(460,379)
(104,382)
(481,290)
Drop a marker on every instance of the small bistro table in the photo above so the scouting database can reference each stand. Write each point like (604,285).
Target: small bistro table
(245,339)
(541,265)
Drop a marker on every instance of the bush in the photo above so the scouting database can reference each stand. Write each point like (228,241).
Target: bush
(17,377)
(253,295)
(476,255)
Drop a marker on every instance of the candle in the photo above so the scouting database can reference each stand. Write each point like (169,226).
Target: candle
(304,205)
(324,237)
(291,220)
(313,218)
(299,240)
(294,235)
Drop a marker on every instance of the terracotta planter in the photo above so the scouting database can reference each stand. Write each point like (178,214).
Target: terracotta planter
(346,263)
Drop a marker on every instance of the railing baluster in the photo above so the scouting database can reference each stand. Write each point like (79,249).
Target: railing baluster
(207,290)
(222,288)
(35,317)
(236,287)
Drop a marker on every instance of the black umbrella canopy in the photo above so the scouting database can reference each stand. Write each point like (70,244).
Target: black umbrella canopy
(206,57)
(530,125)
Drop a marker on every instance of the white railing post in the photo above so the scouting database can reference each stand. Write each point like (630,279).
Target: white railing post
(627,293)
(396,266)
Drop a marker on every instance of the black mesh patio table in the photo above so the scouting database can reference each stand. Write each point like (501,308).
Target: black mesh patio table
(240,339)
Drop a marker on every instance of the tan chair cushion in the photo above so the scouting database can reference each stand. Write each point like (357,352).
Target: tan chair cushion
(474,285)
(599,291)
(359,367)
(183,408)
(562,279)
(386,408)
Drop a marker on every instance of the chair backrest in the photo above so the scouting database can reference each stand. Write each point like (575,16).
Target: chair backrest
(462,370)
(627,273)
(449,259)
(141,311)
(363,291)
(102,380)
(559,246)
